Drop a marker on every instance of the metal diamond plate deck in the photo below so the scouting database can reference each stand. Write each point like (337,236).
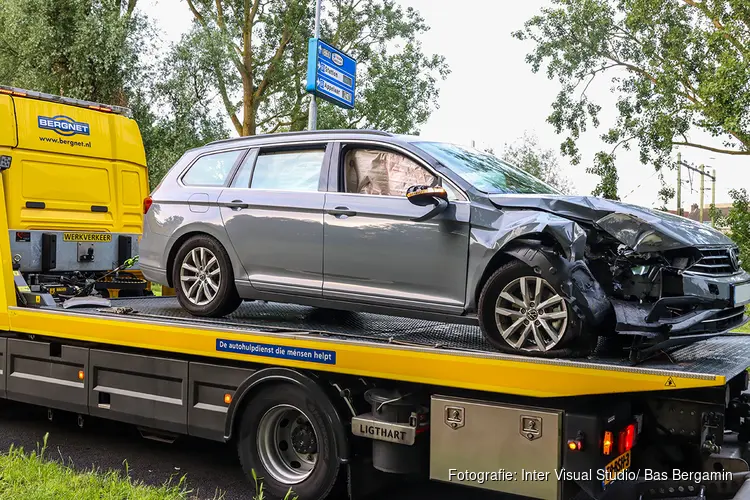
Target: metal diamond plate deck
(724,356)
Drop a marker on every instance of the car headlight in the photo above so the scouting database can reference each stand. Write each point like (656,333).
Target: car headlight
(638,234)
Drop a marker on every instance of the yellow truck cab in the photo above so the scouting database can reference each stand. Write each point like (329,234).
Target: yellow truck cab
(74,174)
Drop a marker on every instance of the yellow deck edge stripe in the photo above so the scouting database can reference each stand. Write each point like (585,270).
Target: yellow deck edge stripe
(388,362)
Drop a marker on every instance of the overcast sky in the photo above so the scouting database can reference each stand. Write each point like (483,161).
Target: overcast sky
(492,97)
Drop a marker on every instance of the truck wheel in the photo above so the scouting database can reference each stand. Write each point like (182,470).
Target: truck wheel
(523,313)
(203,278)
(288,441)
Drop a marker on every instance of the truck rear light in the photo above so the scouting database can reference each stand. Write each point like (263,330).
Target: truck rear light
(626,439)
(575,445)
(607,443)
(147,201)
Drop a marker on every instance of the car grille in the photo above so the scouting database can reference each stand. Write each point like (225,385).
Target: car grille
(716,262)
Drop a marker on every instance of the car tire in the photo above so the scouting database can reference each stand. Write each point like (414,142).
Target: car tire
(265,449)
(202,262)
(514,323)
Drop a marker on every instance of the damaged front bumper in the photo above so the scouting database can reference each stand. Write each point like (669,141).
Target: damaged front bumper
(711,306)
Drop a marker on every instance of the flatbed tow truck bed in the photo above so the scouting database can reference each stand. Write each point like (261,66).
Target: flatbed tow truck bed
(455,409)
(372,345)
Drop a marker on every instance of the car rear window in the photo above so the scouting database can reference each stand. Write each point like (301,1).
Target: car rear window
(211,170)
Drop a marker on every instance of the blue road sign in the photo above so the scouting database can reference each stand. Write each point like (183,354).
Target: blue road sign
(331,74)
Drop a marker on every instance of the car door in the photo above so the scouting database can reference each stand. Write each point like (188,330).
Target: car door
(374,251)
(273,214)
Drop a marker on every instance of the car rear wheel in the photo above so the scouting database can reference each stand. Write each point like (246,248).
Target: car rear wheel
(523,312)
(203,279)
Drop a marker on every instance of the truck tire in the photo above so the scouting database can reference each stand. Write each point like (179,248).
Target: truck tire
(512,320)
(288,441)
(203,278)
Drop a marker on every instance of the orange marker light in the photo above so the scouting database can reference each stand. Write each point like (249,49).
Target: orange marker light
(227,398)
(80,374)
(607,443)
(575,445)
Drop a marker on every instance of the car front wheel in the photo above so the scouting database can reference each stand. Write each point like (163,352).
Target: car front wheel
(203,279)
(522,312)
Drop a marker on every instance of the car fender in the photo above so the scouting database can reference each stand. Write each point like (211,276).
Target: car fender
(493,232)
(212,227)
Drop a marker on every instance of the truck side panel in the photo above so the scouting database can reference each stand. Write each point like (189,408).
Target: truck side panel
(47,374)
(3,366)
(208,402)
(8,136)
(141,390)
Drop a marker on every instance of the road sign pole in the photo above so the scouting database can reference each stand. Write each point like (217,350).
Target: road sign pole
(312,118)
(703,190)
(679,184)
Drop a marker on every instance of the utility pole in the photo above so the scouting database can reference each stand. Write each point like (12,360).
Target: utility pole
(679,183)
(713,198)
(312,118)
(703,182)
(702,171)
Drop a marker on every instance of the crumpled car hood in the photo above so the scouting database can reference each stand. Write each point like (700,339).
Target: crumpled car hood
(641,229)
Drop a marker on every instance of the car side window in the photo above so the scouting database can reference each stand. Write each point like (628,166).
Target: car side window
(287,170)
(212,169)
(242,177)
(380,172)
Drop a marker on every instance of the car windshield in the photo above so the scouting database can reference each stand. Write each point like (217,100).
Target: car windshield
(485,171)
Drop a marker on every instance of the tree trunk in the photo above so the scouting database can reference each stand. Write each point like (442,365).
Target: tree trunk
(248,108)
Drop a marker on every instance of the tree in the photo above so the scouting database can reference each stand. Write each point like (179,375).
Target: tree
(543,164)
(174,111)
(101,51)
(86,49)
(257,53)
(738,223)
(676,66)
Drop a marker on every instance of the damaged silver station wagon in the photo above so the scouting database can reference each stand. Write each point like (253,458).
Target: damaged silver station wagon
(369,221)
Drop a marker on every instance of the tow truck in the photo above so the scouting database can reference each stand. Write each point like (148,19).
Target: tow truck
(324,402)
(395,397)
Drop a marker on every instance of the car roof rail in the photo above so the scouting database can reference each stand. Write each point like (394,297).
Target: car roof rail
(32,94)
(307,132)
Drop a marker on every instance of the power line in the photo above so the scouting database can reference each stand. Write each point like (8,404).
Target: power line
(641,184)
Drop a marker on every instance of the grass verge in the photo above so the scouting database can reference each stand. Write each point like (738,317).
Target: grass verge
(746,327)
(32,476)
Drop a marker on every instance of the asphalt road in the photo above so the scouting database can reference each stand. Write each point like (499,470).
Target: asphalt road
(211,468)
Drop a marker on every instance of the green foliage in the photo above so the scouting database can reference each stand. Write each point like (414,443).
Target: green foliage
(674,65)
(256,54)
(87,49)
(543,164)
(246,59)
(175,114)
(738,223)
(32,476)
(103,52)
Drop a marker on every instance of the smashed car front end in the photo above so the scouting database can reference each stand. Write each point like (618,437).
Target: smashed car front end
(670,277)
(691,291)
(669,280)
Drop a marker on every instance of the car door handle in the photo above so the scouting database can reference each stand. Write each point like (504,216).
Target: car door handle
(342,212)
(236,205)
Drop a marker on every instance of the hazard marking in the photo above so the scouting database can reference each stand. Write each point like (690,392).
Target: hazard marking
(670,383)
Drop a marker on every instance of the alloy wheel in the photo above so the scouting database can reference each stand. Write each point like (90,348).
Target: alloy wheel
(200,276)
(531,315)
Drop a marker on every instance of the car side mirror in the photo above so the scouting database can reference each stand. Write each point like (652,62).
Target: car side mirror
(424,196)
